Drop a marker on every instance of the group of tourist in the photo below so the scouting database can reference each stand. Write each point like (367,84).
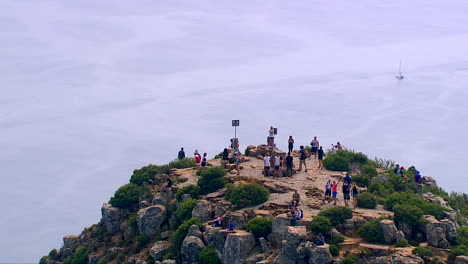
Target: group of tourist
(294,212)
(197,157)
(348,188)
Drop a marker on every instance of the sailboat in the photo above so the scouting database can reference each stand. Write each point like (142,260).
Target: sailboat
(400,75)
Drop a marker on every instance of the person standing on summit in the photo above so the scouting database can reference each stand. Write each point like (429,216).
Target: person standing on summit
(181,154)
(302,158)
(315,145)
(290,144)
(271,136)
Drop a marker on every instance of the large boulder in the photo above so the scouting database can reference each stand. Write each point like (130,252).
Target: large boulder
(237,247)
(191,247)
(280,228)
(214,236)
(294,236)
(406,229)
(264,245)
(163,198)
(238,218)
(203,210)
(194,230)
(439,233)
(150,219)
(112,218)
(222,207)
(314,254)
(390,232)
(159,249)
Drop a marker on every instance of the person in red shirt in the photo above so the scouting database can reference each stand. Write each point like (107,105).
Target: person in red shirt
(334,191)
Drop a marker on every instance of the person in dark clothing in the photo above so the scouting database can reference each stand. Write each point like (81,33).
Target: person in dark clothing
(289,165)
(320,154)
(348,179)
(346,195)
(181,154)
(355,191)
(290,144)
(320,241)
(225,154)
(417,177)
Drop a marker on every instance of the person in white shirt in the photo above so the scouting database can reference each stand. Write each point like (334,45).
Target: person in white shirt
(271,136)
(277,165)
(266,161)
(314,146)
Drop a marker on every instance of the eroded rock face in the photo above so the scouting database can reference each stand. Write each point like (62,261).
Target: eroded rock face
(438,233)
(237,247)
(203,210)
(112,218)
(163,198)
(461,260)
(70,241)
(406,229)
(214,236)
(239,219)
(397,258)
(150,219)
(314,254)
(437,200)
(279,229)
(390,232)
(194,230)
(159,250)
(190,249)
(295,235)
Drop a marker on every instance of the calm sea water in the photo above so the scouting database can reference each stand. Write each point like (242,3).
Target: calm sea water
(92,90)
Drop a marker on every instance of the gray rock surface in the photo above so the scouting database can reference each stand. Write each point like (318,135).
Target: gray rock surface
(439,233)
(70,241)
(314,254)
(194,230)
(159,250)
(397,258)
(214,236)
(406,229)
(295,235)
(203,210)
(238,247)
(461,260)
(191,247)
(112,218)
(390,232)
(163,198)
(238,218)
(264,245)
(150,219)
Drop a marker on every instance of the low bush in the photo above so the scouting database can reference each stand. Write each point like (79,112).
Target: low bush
(423,252)
(408,214)
(53,253)
(191,189)
(80,256)
(126,196)
(372,232)
(336,240)
(410,199)
(181,164)
(208,256)
(462,236)
(321,224)
(458,251)
(369,169)
(211,180)
(146,173)
(336,163)
(334,250)
(247,195)
(43,260)
(337,214)
(362,180)
(132,220)
(142,240)
(178,237)
(184,212)
(367,200)
(380,189)
(350,259)
(402,243)
(359,158)
(219,156)
(260,226)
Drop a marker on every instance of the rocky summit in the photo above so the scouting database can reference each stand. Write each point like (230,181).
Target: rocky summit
(235,213)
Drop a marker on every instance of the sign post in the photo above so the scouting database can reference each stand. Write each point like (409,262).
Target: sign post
(235,141)
(235,124)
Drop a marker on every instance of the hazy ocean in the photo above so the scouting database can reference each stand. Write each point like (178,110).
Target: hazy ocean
(91,90)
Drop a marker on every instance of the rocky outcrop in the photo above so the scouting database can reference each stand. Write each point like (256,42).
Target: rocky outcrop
(203,210)
(238,218)
(295,235)
(222,207)
(406,229)
(163,198)
(440,233)
(461,260)
(194,230)
(280,228)
(314,254)
(191,247)
(71,241)
(398,258)
(159,250)
(150,219)
(437,200)
(390,233)
(264,244)
(112,218)
(237,247)
(214,236)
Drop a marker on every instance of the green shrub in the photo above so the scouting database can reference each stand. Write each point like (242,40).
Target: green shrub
(247,195)
(178,237)
(362,180)
(67,261)
(181,164)
(219,156)
(350,259)
(208,256)
(132,221)
(402,243)
(260,226)
(408,214)
(211,180)
(321,224)
(126,196)
(146,174)
(334,250)
(462,236)
(359,158)
(80,256)
(184,212)
(53,253)
(372,232)
(142,240)
(336,240)
(43,260)
(191,189)
(410,199)
(336,163)
(367,200)
(369,169)
(337,214)
(458,251)
(380,189)
(423,252)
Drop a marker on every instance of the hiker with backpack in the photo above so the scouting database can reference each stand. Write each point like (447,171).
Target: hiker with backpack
(346,196)
(302,158)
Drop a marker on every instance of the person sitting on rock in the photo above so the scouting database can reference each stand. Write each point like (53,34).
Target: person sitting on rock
(295,216)
(320,241)
(217,222)
(230,227)
(166,185)
(396,170)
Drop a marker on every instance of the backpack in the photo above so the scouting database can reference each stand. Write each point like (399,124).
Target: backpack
(301,214)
